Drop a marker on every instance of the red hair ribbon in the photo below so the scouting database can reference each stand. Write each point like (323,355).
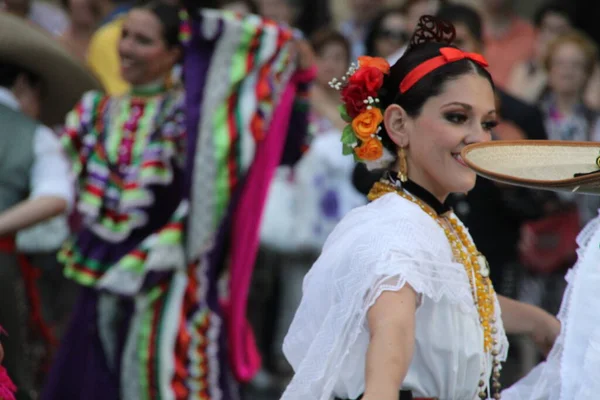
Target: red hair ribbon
(448,55)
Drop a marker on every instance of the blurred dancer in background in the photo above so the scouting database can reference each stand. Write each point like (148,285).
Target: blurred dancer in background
(171,187)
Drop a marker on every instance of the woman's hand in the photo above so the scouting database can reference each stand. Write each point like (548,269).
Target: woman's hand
(521,318)
(545,331)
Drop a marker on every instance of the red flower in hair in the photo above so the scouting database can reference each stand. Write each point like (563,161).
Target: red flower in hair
(370,77)
(354,96)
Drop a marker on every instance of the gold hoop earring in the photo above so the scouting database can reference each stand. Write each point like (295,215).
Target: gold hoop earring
(403,172)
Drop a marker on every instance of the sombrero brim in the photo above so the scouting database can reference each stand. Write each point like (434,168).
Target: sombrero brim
(540,164)
(65,78)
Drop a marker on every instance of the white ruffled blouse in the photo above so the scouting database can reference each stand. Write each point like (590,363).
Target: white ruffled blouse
(383,246)
(572,369)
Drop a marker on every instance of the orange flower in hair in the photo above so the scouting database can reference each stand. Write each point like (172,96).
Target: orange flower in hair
(375,62)
(371,150)
(366,124)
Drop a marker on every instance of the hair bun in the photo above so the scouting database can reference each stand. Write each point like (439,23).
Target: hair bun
(432,29)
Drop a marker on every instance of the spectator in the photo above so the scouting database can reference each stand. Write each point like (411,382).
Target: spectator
(509,39)
(528,79)
(570,63)
(413,10)
(355,29)
(46,15)
(85,16)
(387,33)
(333,58)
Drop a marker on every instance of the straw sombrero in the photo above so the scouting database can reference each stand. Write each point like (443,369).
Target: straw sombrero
(541,164)
(65,78)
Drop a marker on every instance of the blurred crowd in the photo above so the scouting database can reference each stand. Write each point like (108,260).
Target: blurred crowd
(546,68)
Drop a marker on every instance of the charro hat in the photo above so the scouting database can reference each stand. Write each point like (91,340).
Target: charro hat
(65,79)
(541,164)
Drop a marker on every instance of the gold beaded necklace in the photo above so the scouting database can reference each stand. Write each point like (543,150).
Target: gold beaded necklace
(476,267)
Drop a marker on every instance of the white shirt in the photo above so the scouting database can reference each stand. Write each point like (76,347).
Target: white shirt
(51,172)
(306,202)
(382,247)
(356,36)
(572,369)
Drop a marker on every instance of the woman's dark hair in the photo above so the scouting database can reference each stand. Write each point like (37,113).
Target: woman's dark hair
(168,15)
(325,37)
(376,27)
(430,36)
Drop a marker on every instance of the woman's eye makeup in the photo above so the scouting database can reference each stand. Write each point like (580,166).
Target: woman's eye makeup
(455,117)
(489,125)
(460,117)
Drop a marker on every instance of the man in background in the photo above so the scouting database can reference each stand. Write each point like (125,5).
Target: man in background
(509,39)
(39,83)
(355,28)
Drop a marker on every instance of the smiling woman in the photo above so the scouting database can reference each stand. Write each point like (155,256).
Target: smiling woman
(400,304)
(149,45)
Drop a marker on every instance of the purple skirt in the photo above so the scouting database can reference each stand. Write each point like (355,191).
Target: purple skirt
(90,360)
(80,370)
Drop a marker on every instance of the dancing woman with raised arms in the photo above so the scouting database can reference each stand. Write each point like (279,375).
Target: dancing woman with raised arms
(400,304)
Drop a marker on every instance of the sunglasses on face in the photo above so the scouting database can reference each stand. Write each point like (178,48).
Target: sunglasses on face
(397,35)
